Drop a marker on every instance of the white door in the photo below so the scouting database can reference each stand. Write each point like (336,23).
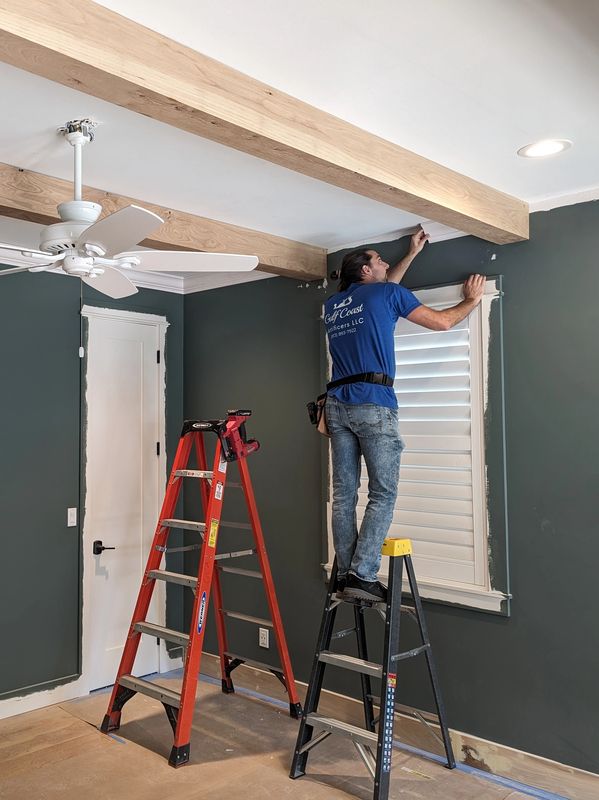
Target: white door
(124,418)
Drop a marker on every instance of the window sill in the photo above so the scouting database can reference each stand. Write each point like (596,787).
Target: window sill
(458,594)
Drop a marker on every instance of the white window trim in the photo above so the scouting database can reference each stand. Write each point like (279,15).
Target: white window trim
(481,594)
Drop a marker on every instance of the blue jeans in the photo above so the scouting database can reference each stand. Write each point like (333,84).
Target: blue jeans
(371,431)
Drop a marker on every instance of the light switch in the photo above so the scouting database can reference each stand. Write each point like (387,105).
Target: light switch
(71,517)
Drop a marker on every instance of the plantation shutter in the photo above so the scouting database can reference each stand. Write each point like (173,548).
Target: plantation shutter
(441,504)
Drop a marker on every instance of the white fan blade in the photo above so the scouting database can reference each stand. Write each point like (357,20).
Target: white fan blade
(117,231)
(190,261)
(113,283)
(28,252)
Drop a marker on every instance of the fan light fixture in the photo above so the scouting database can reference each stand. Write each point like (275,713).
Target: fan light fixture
(544,148)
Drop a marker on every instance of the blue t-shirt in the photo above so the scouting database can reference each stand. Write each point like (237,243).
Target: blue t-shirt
(360,323)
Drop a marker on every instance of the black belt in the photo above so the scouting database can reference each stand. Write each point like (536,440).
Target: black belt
(363,377)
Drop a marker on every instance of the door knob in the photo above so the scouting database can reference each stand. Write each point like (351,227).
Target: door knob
(99,547)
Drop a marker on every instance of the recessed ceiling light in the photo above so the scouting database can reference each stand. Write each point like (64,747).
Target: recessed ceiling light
(546,147)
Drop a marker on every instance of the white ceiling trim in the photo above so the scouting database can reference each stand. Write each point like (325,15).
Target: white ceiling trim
(436,231)
(441,233)
(568,199)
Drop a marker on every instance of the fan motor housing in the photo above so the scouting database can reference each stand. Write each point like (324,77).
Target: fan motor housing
(77,215)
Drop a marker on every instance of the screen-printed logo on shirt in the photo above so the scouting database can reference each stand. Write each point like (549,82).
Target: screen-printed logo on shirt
(343,303)
(342,310)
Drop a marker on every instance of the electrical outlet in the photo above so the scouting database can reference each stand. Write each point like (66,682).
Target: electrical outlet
(263,637)
(71,517)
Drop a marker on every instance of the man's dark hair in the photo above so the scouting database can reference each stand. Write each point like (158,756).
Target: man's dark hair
(351,268)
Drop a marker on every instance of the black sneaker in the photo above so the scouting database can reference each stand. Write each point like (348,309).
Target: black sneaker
(341,585)
(357,589)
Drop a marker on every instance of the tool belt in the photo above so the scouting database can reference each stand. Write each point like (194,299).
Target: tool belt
(316,408)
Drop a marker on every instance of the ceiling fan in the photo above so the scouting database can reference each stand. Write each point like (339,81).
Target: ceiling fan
(92,250)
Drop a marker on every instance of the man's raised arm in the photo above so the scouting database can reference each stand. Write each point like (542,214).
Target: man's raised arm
(445,319)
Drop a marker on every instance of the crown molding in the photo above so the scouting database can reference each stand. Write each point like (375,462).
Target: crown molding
(567,199)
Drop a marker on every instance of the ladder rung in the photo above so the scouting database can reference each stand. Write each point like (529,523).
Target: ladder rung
(410,653)
(187,524)
(344,728)
(244,526)
(250,573)
(182,549)
(247,618)
(251,663)
(234,554)
(161,693)
(350,662)
(173,577)
(162,633)
(194,473)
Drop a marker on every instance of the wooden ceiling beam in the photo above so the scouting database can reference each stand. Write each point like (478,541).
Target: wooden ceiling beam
(91,49)
(34,197)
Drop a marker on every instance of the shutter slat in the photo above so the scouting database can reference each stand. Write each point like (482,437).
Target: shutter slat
(434,383)
(441,369)
(446,490)
(436,443)
(431,428)
(433,399)
(435,460)
(425,414)
(442,339)
(444,569)
(435,504)
(432,355)
(454,528)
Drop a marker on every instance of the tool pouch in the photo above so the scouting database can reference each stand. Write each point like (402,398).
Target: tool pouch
(317,414)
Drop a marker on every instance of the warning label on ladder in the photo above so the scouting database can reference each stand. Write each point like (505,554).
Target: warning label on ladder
(213,533)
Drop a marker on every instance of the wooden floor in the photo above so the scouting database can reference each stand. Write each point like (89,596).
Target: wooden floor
(240,748)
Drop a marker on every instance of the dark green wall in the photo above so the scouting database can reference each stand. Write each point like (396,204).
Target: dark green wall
(528,681)
(258,346)
(40,469)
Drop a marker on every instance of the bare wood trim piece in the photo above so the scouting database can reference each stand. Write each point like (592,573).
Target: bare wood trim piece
(89,48)
(32,196)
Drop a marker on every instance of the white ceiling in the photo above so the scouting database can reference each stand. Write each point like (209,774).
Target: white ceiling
(465,83)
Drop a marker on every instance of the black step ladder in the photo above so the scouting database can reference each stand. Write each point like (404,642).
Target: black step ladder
(374,746)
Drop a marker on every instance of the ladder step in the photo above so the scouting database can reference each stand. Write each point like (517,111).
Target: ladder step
(250,573)
(194,473)
(161,693)
(187,524)
(247,618)
(249,662)
(173,577)
(350,662)
(235,554)
(162,633)
(344,728)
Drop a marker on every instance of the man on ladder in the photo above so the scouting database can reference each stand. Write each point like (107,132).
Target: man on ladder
(361,406)
(362,419)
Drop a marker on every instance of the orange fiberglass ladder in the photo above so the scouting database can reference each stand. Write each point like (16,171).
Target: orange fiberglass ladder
(231,445)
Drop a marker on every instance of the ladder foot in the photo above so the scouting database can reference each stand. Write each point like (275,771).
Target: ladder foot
(295,710)
(179,755)
(111,722)
(227,686)
(296,772)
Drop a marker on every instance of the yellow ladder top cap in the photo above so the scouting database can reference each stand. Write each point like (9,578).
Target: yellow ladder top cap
(397,547)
